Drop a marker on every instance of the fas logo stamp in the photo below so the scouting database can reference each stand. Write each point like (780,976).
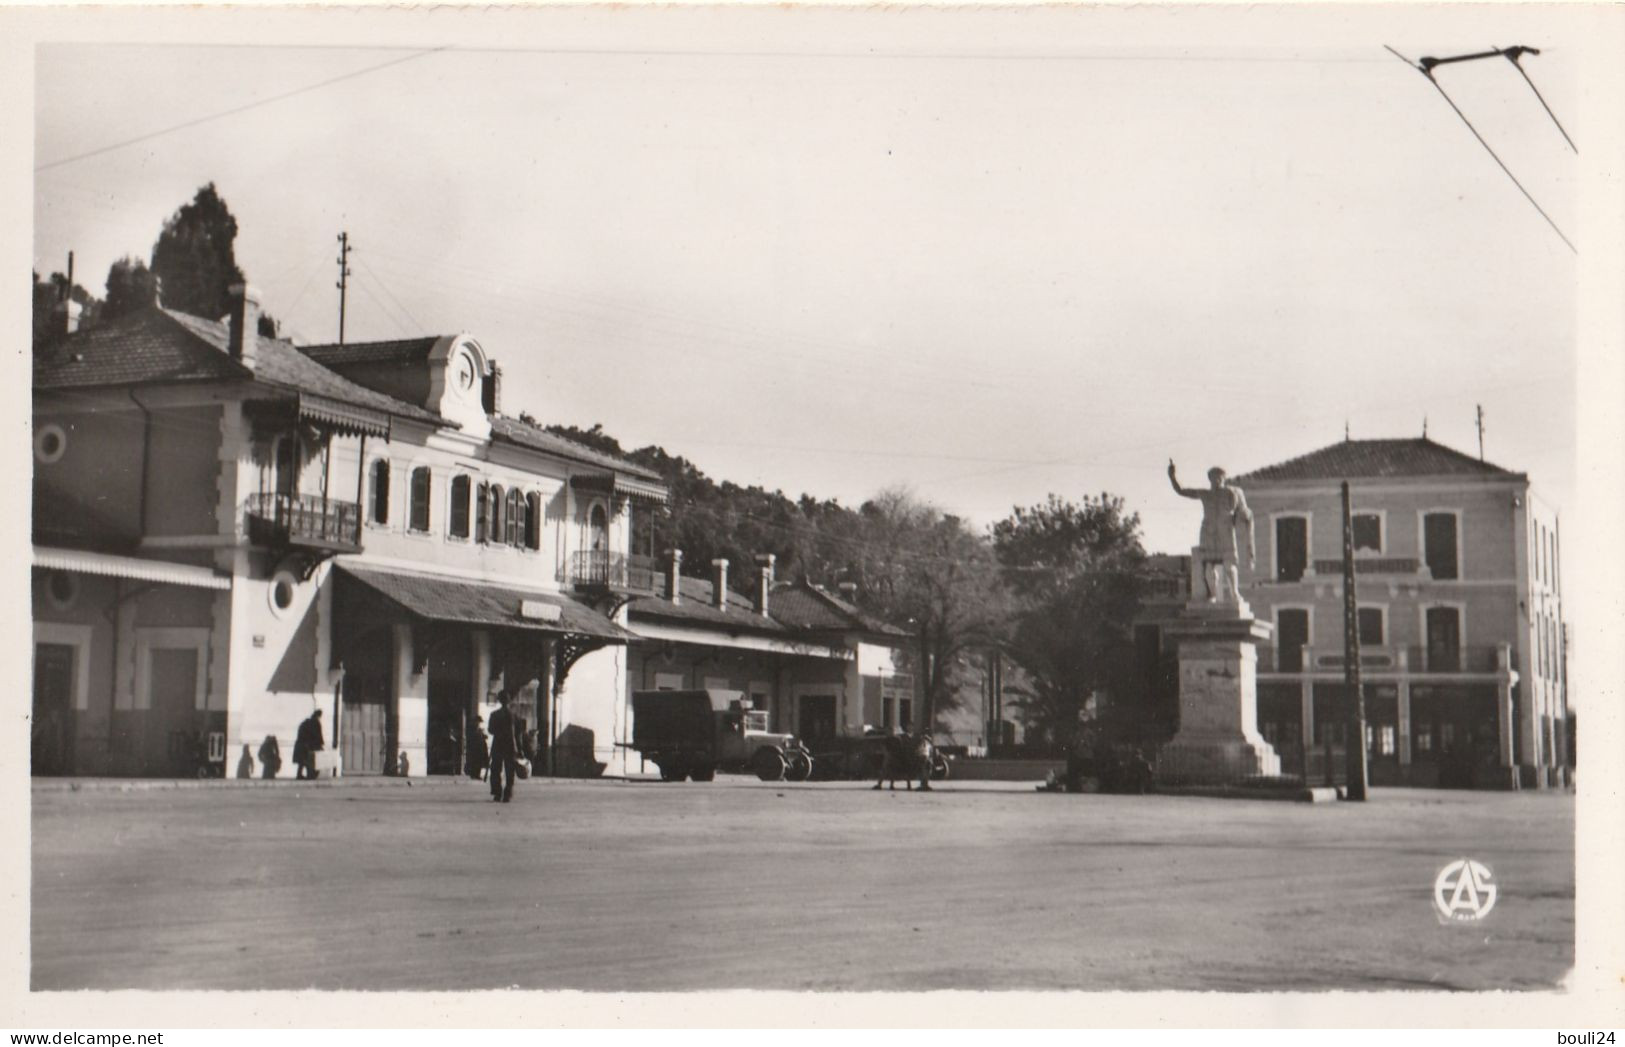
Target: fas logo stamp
(1464,891)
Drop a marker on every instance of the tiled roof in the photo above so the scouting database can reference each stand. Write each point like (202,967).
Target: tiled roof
(161,345)
(477,603)
(792,608)
(399,351)
(535,437)
(281,363)
(861,619)
(150,346)
(1377,459)
(696,609)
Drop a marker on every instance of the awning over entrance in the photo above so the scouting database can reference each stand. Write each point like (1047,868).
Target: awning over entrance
(135,567)
(480,604)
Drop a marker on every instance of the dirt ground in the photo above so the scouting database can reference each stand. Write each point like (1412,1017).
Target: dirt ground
(613,885)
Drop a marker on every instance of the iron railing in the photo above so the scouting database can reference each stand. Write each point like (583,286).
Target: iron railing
(1413,659)
(595,568)
(1370,565)
(304,520)
(1474,658)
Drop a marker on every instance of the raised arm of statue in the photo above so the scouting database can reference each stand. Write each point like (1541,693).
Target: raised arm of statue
(1185,492)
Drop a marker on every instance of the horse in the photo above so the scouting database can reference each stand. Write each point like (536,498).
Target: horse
(907,757)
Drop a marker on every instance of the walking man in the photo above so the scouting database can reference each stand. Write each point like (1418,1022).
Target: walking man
(504,750)
(306,744)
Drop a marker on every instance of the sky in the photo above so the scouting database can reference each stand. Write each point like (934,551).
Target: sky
(984,256)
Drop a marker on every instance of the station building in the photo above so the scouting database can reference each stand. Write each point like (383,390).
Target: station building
(1458,580)
(231,532)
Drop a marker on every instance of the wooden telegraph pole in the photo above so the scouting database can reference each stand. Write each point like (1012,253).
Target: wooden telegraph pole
(1351,660)
(344,278)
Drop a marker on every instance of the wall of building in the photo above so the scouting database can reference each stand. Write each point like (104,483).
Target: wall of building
(1502,592)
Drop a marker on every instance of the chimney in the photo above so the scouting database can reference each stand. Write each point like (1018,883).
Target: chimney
(764,582)
(245,323)
(719,583)
(491,391)
(849,591)
(66,315)
(674,574)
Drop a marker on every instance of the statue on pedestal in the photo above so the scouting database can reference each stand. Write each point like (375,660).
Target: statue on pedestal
(1224,515)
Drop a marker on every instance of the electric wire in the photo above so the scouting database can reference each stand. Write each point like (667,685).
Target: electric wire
(233,111)
(1513,58)
(1493,155)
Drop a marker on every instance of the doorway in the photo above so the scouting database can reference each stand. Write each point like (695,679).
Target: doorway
(1444,639)
(1291,637)
(816,717)
(52,733)
(366,740)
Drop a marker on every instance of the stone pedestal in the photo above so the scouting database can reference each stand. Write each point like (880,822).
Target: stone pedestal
(1218,741)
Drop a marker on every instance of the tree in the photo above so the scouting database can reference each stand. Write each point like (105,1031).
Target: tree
(925,570)
(131,287)
(1076,569)
(194,258)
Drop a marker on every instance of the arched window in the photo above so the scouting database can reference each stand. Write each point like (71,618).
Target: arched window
(533,521)
(482,512)
(516,517)
(419,513)
(380,492)
(457,525)
(597,530)
(496,514)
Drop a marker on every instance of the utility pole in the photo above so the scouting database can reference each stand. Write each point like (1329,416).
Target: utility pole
(1480,431)
(344,279)
(1351,660)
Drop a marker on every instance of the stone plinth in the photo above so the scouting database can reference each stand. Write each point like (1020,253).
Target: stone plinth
(1218,740)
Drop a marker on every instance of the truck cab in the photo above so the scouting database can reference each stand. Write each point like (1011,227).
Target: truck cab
(696,733)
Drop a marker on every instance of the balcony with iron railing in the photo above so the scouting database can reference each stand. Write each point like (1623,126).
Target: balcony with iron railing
(303,521)
(1415,660)
(598,569)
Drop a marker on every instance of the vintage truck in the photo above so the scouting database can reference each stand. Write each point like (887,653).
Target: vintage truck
(695,734)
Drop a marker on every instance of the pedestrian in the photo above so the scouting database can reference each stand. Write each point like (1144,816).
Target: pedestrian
(245,766)
(306,744)
(478,752)
(504,750)
(270,757)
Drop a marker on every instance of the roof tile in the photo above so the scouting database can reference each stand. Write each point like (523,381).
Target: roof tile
(1376,459)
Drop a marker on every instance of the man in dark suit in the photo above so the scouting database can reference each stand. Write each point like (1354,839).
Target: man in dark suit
(307,743)
(504,750)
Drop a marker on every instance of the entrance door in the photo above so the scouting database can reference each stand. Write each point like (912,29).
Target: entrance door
(53,709)
(450,669)
(1444,639)
(817,717)
(364,737)
(172,738)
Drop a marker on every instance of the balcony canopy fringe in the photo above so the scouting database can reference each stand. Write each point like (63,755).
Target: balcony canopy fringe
(342,418)
(614,483)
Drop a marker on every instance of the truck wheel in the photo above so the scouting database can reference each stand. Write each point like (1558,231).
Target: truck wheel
(703,774)
(672,772)
(797,766)
(768,764)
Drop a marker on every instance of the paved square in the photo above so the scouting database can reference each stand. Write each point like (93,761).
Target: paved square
(739,884)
